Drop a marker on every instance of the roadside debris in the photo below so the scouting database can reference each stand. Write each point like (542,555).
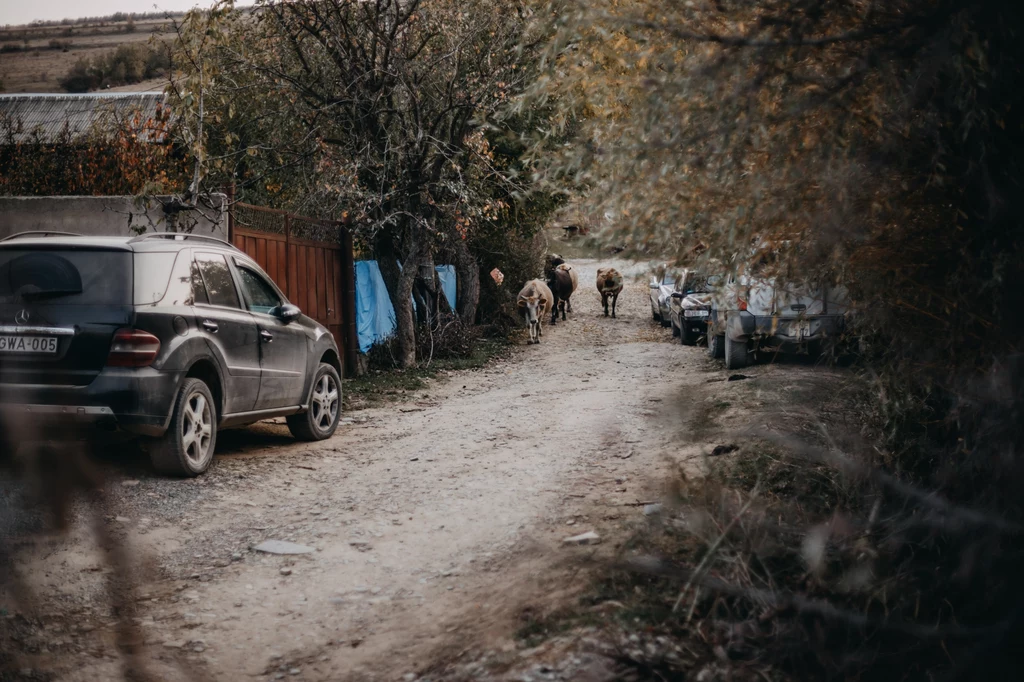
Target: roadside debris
(652,509)
(724,449)
(737,377)
(282,547)
(588,538)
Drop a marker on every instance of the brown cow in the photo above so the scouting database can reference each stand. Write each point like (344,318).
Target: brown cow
(609,284)
(534,301)
(562,293)
(575,280)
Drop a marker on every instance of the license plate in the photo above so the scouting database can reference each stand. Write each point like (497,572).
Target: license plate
(803,330)
(28,344)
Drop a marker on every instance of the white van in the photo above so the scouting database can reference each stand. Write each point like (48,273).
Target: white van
(752,315)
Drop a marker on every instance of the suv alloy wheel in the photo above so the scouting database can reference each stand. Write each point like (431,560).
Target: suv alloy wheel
(321,417)
(186,449)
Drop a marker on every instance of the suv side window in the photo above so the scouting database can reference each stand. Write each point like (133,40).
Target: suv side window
(217,281)
(260,295)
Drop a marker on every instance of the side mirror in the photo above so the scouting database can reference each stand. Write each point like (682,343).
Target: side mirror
(654,285)
(678,294)
(287,313)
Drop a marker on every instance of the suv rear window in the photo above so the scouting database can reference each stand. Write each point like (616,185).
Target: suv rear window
(67,277)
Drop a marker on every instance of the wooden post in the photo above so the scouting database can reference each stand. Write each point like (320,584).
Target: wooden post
(348,299)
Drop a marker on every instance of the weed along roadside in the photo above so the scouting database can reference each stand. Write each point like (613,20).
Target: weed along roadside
(379,386)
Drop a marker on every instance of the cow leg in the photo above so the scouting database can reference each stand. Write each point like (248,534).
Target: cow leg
(568,302)
(563,304)
(615,299)
(604,300)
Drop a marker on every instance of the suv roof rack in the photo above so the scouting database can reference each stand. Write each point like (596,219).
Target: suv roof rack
(39,233)
(181,235)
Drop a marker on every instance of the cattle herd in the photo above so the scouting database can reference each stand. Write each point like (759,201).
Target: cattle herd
(553,294)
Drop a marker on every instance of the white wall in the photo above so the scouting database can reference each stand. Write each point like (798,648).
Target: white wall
(111,216)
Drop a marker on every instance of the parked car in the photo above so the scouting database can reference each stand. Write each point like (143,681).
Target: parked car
(663,283)
(752,315)
(170,337)
(690,306)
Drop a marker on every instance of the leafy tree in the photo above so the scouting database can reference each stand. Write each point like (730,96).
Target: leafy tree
(373,111)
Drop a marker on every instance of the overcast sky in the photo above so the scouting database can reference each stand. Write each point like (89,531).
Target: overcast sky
(25,11)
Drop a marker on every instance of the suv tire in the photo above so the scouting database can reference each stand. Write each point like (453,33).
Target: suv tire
(186,449)
(736,355)
(321,417)
(676,329)
(716,345)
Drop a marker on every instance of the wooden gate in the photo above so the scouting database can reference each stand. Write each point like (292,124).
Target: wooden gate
(311,260)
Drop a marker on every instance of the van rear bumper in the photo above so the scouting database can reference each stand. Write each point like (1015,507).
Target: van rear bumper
(784,331)
(134,400)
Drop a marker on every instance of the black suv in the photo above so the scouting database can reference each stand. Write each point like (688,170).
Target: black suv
(166,335)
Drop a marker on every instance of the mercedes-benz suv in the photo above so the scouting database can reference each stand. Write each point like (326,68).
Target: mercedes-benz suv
(167,336)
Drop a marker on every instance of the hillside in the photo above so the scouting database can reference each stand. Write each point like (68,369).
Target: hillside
(34,58)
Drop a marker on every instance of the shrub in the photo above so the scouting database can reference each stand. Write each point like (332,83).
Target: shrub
(520,258)
(126,65)
(81,77)
(449,339)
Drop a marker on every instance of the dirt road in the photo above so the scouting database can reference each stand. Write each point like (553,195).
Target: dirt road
(434,522)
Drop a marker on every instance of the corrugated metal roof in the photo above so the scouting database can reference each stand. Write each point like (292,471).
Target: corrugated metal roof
(47,115)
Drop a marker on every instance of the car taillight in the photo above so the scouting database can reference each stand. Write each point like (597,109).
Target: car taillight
(133,348)
(741,303)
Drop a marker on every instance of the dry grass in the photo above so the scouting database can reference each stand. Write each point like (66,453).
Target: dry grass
(800,557)
(35,67)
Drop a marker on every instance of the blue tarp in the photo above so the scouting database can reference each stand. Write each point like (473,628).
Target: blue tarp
(375,316)
(446,273)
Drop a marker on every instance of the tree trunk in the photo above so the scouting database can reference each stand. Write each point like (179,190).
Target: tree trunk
(399,282)
(467,273)
(404,317)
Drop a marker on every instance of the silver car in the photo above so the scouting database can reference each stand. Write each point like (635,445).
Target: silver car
(751,315)
(690,306)
(662,287)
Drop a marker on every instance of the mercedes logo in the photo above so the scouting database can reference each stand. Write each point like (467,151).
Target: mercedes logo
(22,317)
